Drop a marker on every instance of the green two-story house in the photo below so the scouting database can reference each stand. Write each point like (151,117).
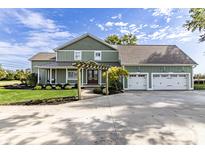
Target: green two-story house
(150,67)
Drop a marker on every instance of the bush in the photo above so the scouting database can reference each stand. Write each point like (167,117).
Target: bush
(97,91)
(48,87)
(59,85)
(31,79)
(199,86)
(104,91)
(67,87)
(58,88)
(38,87)
(10,76)
(115,86)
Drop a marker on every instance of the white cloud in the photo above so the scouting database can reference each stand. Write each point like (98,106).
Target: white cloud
(92,19)
(165,12)
(162,12)
(109,24)
(178,17)
(160,34)
(154,26)
(119,16)
(124,31)
(120,24)
(168,19)
(101,27)
(43,35)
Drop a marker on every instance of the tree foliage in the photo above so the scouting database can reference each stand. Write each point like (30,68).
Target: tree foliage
(114,76)
(197,22)
(21,75)
(127,39)
(2,73)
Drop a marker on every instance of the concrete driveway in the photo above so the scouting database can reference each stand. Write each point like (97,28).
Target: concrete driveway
(151,117)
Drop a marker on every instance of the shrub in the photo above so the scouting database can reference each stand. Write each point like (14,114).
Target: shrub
(9,76)
(38,87)
(59,85)
(31,79)
(97,90)
(48,87)
(67,87)
(104,91)
(58,88)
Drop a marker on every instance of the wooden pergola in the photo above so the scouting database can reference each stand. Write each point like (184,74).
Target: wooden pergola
(89,65)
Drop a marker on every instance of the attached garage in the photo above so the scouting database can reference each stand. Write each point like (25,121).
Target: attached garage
(138,81)
(173,81)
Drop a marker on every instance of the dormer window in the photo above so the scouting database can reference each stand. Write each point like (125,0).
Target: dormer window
(77,55)
(98,55)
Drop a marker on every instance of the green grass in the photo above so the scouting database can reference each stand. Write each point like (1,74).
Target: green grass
(199,86)
(9,96)
(6,83)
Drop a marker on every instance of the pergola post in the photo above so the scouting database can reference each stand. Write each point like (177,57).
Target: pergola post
(107,91)
(38,75)
(79,83)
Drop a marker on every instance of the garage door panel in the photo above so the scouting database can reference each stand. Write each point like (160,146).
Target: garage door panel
(137,82)
(170,81)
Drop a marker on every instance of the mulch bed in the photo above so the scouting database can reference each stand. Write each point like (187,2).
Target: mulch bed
(50,101)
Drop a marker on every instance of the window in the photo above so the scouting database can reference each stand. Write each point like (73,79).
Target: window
(97,55)
(72,75)
(77,55)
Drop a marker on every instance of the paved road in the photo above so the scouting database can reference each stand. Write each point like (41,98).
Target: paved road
(151,117)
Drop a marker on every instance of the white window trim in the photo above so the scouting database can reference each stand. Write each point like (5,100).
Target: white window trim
(69,77)
(98,58)
(78,51)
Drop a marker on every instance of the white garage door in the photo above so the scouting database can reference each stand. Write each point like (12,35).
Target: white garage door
(137,82)
(170,81)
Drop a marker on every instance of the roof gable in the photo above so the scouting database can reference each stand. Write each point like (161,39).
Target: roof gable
(86,42)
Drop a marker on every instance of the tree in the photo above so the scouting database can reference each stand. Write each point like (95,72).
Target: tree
(21,75)
(2,73)
(197,22)
(113,39)
(127,39)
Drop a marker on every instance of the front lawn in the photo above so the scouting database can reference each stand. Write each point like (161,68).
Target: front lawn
(11,96)
(199,86)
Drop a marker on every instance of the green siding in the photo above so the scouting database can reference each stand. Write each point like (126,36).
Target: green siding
(36,63)
(158,69)
(107,56)
(65,55)
(61,75)
(87,43)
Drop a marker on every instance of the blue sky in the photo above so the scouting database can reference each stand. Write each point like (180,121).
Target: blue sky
(24,32)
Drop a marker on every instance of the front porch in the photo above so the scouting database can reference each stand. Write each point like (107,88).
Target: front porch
(68,75)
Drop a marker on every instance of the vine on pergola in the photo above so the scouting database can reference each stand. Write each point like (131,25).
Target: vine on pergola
(90,65)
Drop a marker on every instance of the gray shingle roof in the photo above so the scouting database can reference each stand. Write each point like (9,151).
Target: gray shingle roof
(44,56)
(153,54)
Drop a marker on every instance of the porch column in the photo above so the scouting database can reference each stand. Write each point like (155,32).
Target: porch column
(123,79)
(66,76)
(100,77)
(38,75)
(55,76)
(50,75)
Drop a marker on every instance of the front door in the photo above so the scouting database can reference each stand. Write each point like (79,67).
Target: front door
(92,77)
